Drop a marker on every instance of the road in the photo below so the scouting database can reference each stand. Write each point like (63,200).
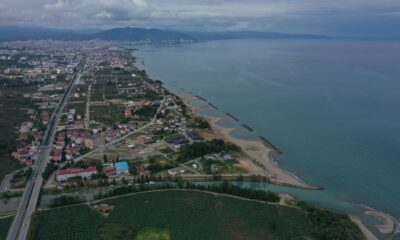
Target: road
(153,120)
(20,227)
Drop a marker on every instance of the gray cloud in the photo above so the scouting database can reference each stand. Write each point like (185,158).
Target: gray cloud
(315,16)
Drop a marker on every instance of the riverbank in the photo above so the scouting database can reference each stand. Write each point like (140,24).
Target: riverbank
(257,154)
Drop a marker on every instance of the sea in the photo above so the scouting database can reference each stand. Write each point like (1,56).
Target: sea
(331,106)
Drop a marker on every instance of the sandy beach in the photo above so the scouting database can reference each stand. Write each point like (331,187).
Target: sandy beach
(257,155)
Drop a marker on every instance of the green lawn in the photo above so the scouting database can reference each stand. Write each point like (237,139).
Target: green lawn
(5,224)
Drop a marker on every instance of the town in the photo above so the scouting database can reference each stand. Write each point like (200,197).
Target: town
(82,123)
(117,125)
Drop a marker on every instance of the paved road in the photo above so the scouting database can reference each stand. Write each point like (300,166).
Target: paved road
(20,227)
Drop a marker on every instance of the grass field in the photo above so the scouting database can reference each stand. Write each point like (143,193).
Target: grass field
(195,215)
(5,224)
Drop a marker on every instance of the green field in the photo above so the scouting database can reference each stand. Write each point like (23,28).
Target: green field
(5,224)
(196,215)
(181,215)
(75,222)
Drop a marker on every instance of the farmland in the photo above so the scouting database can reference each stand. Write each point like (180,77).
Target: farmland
(196,215)
(185,214)
(5,224)
(74,222)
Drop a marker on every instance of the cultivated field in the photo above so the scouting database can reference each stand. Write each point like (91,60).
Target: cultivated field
(196,215)
(186,214)
(75,222)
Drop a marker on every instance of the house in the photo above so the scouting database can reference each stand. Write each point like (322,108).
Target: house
(121,167)
(176,139)
(128,112)
(110,170)
(70,117)
(57,156)
(175,171)
(65,174)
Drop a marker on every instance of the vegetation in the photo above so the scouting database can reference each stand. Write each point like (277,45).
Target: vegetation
(158,163)
(50,168)
(5,224)
(13,111)
(73,222)
(197,215)
(186,214)
(151,233)
(116,231)
(328,225)
(200,123)
(146,111)
(225,188)
(65,200)
(21,177)
(198,149)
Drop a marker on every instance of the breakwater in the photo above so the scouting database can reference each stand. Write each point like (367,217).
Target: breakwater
(231,116)
(247,127)
(201,98)
(268,144)
(212,105)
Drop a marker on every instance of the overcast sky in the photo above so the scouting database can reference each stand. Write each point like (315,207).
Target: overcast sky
(331,17)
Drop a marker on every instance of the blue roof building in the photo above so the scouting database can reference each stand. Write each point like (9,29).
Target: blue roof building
(121,167)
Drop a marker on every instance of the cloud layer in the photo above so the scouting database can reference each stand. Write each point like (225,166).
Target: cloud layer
(334,17)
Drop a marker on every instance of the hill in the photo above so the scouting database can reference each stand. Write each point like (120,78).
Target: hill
(127,34)
(142,35)
(252,35)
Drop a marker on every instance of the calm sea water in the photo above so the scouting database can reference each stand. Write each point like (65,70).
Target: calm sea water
(332,107)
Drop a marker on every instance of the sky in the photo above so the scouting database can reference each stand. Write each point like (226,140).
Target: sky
(372,18)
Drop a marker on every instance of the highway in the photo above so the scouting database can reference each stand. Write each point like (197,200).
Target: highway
(20,227)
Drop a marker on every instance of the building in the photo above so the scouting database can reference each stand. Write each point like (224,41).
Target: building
(95,141)
(176,171)
(64,175)
(128,112)
(121,167)
(109,170)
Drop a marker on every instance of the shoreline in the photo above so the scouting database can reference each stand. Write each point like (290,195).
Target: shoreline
(258,156)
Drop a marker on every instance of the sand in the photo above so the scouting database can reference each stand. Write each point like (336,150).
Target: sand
(367,233)
(257,155)
(387,225)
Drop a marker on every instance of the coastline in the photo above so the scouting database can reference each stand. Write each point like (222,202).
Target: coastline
(258,156)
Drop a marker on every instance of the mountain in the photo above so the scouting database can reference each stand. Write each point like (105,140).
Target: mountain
(139,35)
(142,35)
(8,33)
(252,35)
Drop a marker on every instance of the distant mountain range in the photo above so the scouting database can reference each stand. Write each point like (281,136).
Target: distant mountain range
(140,35)
(252,35)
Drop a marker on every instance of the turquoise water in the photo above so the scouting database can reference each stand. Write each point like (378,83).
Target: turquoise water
(332,107)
